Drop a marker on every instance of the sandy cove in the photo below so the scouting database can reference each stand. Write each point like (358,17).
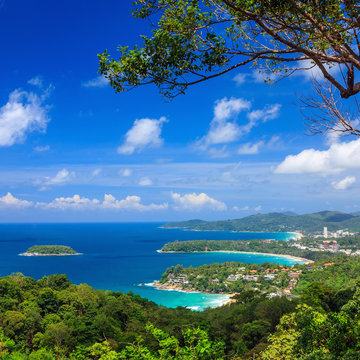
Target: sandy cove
(156,284)
(241,252)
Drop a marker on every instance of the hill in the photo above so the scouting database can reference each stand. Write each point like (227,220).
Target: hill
(277,222)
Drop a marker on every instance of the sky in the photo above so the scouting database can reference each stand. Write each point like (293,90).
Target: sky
(71,149)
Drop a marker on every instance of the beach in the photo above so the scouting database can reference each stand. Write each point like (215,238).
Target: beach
(227,297)
(240,252)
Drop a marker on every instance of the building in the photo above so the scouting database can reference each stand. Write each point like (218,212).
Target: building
(325,232)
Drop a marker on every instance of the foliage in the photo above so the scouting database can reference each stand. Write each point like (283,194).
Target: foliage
(50,250)
(52,319)
(195,40)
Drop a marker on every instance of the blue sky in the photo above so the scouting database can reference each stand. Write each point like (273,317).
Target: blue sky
(73,150)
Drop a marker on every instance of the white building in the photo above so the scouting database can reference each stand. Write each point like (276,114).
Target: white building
(325,232)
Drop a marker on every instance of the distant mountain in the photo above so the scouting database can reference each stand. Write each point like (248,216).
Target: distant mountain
(277,222)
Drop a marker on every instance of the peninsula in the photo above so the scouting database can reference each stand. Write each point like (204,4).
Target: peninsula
(49,250)
(268,247)
(270,279)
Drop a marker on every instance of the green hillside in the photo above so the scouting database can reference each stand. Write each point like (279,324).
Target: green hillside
(277,222)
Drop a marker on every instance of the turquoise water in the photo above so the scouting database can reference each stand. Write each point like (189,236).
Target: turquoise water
(120,256)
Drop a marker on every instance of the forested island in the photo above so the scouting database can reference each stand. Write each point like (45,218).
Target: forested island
(49,250)
(277,222)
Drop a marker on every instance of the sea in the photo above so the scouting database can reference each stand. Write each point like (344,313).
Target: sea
(122,256)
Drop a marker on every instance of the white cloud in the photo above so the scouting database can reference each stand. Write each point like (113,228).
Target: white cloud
(196,202)
(269,112)
(245,208)
(62,177)
(145,181)
(250,149)
(254,148)
(258,208)
(144,133)
(83,203)
(9,200)
(36,81)
(42,148)
(22,114)
(228,108)
(344,183)
(96,172)
(259,76)
(125,172)
(98,82)
(240,78)
(130,203)
(219,153)
(339,157)
(223,131)
(311,71)
(75,202)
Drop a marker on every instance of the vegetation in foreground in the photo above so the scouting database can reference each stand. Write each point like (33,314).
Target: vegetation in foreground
(54,319)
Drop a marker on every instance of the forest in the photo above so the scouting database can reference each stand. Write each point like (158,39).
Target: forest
(52,318)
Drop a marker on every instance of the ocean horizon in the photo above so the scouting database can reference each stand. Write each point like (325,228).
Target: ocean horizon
(121,256)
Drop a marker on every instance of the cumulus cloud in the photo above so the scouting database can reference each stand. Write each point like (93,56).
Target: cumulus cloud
(96,172)
(311,71)
(258,208)
(130,203)
(250,149)
(245,208)
(254,148)
(259,76)
(62,177)
(36,81)
(339,157)
(144,133)
(240,78)
(196,202)
(75,202)
(22,114)
(125,172)
(145,181)
(9,200)
(344,183)
(98,82)
(42,148)
(224,128)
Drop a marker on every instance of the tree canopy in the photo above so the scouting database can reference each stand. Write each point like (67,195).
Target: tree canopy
(196,40)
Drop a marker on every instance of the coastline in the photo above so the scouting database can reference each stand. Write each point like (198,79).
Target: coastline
(38,254)
(242,252)
(156,284)
(298,234)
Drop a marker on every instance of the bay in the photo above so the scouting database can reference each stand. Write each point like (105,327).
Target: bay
(120,256)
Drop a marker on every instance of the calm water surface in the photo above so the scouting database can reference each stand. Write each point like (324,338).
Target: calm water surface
(120,256)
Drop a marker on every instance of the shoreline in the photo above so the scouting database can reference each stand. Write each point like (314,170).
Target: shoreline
(297,233)
(240,252)
(162,287)
(38,254)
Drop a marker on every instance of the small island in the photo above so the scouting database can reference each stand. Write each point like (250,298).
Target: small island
(49,250)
